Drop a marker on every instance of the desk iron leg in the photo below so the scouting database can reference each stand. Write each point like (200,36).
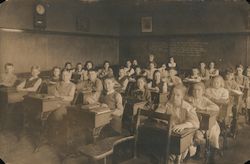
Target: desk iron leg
(207,148)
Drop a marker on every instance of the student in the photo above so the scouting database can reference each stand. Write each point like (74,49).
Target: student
(8,78)
(55,78)
(134,64)
(106,71)
(150,71)
(195,77)
(95,86)
(248,96)
(89,65)
(66,91)
(183,114)
(68,67)
(220,96)
(137,74)
(142,92)
(128,69)
(202,103)
(212,71)
(172,64)
(83,85)
(113,100)
(173,79)
(157,85)
(31,84)
(204,74)
(123,79)
(243,83)
(151,59)
(164,72)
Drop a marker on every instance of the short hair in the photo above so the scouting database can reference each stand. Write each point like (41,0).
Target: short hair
(79,64)
(8,64)
(106,61)
(92,70)
(35,67)
(55,67)
(67,64)
(228,71)
(86,63)
(200,84)
(179,87)
(109,78)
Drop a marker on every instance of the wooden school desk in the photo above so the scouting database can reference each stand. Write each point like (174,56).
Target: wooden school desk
(88,117)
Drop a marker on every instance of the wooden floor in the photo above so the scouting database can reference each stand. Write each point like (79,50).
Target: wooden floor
(20,151)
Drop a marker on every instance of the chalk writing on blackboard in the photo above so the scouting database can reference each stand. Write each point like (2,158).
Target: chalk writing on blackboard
(188,47)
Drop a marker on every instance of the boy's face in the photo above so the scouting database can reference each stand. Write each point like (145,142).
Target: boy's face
(92,75)
(108,85)
(140,84)
(9,69)
(66,76)
(197,91)
(216,83)
(35,72)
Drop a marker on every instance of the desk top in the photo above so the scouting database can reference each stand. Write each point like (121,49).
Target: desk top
(184,132)
(8,89)
(208,113)
(43,97)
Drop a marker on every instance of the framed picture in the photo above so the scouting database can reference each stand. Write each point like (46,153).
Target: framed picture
(146,24)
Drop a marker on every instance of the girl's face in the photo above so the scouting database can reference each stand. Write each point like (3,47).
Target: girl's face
(121,72)
(56,72)
(135,62)
(157,76)
(106,65)
(171,60)
(177,96)
(211,66)
(140,84)
(138,71)
(203,65)
(35,72)
(9,69)
(129,64)
(197,91)
(151,66)
(89,65)
(239,71)
(216,83)
(195,72)
(164,66)
(151,58)
(229,76)
(68,66)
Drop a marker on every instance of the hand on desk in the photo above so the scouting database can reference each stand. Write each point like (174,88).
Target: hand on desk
(178,128)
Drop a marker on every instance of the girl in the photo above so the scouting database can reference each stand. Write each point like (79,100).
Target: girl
(88,65)
(123,79)
(173,79)
(157,85)
(31,84)
(203,72)
(183,114)
(164,72)
(128,69)
(68,67)
(171,64)
(142,92)
(55,78)
(150,71)
(195,77)
(201,103)
(212,72)
(106,71)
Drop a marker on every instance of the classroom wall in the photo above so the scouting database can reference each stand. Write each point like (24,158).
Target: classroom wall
(61,41)
(221,27)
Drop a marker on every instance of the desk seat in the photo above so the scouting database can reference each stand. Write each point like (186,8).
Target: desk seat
(102,149)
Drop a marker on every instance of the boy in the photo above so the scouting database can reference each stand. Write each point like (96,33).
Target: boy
(8,78)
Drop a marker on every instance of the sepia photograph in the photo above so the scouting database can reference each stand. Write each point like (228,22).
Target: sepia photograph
(124,81)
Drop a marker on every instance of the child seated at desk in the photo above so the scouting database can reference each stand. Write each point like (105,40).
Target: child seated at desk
(66,91)
(129,69)
(173,80)
(106,71)
(183,114)
(202,103)
(55,78)
(150,71)
(8,78)
(31,84)
(137,74)
(84,84)
(212,71)
(157,85)
(142,92)
(204,74)
(89,65)
(195,77)
(220,96)
(113,100)
(243,83)
(123,79)
(77,73)
(95,86)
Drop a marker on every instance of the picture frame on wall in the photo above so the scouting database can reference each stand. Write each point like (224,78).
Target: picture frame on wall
(146,24)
